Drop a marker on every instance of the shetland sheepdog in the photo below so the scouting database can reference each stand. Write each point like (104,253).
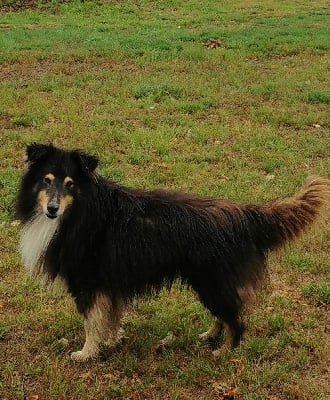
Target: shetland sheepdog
(110,243)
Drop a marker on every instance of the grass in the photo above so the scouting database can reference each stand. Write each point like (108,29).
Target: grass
(134,83)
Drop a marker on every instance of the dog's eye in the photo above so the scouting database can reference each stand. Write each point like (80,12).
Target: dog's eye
(69,184)
(47,180)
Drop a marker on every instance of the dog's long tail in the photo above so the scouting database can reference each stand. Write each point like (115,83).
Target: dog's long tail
(283,221)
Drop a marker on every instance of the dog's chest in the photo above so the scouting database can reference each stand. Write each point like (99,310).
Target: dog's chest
(35,237)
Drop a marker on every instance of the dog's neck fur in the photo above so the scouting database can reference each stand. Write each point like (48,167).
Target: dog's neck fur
(36,234)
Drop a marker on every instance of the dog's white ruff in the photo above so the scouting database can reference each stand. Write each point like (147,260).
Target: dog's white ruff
(35,237)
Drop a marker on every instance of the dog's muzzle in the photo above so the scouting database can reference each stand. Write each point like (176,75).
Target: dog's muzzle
(52,209)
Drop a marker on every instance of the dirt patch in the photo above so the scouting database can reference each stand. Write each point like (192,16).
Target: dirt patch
(22,71)
(18,5)
(32,69)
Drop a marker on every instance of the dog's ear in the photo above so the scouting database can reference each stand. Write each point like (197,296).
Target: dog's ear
(35,151)
(87,162)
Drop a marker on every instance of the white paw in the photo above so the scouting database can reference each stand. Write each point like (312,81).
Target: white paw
(204,337)
(81,356)
(207,336)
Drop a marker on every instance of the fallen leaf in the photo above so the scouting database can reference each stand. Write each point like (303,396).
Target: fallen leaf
(225,393)
(86,376)
(135,396)
(259,329)
(229,394)
(33,397)
(213,43)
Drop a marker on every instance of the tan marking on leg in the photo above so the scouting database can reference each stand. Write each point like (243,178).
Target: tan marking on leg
(213,332)
(102,326)
(226,346)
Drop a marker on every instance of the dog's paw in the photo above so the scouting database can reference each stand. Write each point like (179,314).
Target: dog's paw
(81,356)
(213,333)
(205,336)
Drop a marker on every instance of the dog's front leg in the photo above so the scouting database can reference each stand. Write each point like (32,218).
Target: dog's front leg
(102,326)
(92,343)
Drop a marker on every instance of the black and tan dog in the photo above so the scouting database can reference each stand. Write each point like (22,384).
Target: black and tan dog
(110,243)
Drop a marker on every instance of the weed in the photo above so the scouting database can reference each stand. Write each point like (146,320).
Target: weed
(256,349)
(319,97)
(276,323)
(317,291)
(3,333)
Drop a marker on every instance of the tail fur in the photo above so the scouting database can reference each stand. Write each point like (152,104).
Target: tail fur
(286,220)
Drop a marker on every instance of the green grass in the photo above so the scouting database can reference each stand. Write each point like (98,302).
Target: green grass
(134,83)
(317,291)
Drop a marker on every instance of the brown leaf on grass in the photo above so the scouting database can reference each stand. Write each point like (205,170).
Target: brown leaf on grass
(135,396)
(32,397)
(86,376)
(224,392)
(229,394)
(259,329)
(214,43)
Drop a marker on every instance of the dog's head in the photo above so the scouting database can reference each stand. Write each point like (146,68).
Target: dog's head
(53,179)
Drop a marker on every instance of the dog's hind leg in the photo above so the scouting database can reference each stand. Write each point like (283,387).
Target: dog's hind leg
(226,309)
(102,326)
(213,332)
(234,330)
(233,334)
(230,314)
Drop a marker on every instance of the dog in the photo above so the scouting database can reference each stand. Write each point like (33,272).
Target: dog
(110,243)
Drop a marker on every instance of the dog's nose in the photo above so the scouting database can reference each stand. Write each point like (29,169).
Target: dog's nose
(52,209)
